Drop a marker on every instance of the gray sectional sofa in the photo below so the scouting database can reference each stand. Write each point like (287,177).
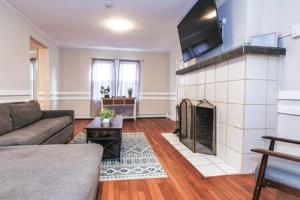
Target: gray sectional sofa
(56,172)
(31,169)
(26,124)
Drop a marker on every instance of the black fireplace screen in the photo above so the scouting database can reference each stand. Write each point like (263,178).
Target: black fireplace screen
(186,123)
(198,126)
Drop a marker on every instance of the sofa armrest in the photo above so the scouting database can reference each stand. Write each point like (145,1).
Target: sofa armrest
(57,113)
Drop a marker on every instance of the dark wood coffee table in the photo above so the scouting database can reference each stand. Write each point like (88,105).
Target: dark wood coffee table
(108,135)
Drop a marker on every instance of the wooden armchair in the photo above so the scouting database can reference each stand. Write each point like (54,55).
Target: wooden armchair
(281,171)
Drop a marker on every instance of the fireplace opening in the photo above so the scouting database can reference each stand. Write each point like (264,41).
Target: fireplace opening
(198,126)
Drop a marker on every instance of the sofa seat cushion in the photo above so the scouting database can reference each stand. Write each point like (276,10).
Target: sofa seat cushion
(24,114)
(283,171)
(69,172)
(35,133)
(5,120)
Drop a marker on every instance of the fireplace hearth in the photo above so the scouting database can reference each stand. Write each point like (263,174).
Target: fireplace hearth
(198,126)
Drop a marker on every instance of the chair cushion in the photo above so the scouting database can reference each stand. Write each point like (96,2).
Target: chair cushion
(5,120)
(56,172)
(23,114)
(35,133)
(283,171)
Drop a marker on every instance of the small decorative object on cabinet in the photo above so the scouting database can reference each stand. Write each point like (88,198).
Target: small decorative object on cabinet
(105,91)
(130,91)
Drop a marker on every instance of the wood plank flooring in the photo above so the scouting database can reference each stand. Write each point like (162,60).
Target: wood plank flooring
(184,181)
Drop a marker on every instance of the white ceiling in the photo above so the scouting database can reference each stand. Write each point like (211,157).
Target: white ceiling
(78,23)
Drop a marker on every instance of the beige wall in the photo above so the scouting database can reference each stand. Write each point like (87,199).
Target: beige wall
(74,80)
(15,35)
(68,74)
(175,60)
(44,78)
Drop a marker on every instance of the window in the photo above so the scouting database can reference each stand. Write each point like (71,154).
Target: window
(102,75)
(119,75)
(128,73)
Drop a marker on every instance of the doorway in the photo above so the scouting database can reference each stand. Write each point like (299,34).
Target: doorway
(33,75)
(39,73)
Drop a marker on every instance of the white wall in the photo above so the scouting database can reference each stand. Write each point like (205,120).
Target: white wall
(175,55)
(74,80)
(279,16)
(15,35)
(246,18)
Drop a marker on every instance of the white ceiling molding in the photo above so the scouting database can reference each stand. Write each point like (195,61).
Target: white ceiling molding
(73,46)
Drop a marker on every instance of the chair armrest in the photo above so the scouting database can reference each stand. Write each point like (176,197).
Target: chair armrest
(57,113)
(277,154)
(281,139)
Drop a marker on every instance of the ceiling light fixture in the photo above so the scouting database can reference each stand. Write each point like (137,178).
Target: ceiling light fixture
(118,24)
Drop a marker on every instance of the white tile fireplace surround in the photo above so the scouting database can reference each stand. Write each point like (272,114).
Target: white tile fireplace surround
(245,91)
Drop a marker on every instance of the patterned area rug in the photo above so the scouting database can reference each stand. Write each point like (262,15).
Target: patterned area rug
(138,160)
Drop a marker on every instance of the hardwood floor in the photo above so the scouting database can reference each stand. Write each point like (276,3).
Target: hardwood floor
(184,181)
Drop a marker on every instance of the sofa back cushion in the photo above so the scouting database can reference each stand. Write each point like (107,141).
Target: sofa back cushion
(23,114)
(5,120)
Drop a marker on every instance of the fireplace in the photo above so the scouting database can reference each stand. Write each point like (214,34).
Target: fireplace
(198,126)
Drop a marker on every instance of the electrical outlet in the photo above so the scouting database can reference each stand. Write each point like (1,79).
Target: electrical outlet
(296,31)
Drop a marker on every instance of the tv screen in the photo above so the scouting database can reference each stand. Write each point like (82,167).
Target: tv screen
(200,31)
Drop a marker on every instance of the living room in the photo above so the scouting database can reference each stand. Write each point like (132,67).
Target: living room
(173,99)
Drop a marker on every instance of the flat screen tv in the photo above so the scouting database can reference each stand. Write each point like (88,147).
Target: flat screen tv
(200,30)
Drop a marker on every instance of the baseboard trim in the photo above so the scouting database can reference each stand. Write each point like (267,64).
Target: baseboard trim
(171,117)
(83,118)
(138,117)
(152,117)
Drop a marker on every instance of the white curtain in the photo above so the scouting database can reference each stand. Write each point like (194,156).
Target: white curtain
(128,76)
(103,74)
(119,75)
